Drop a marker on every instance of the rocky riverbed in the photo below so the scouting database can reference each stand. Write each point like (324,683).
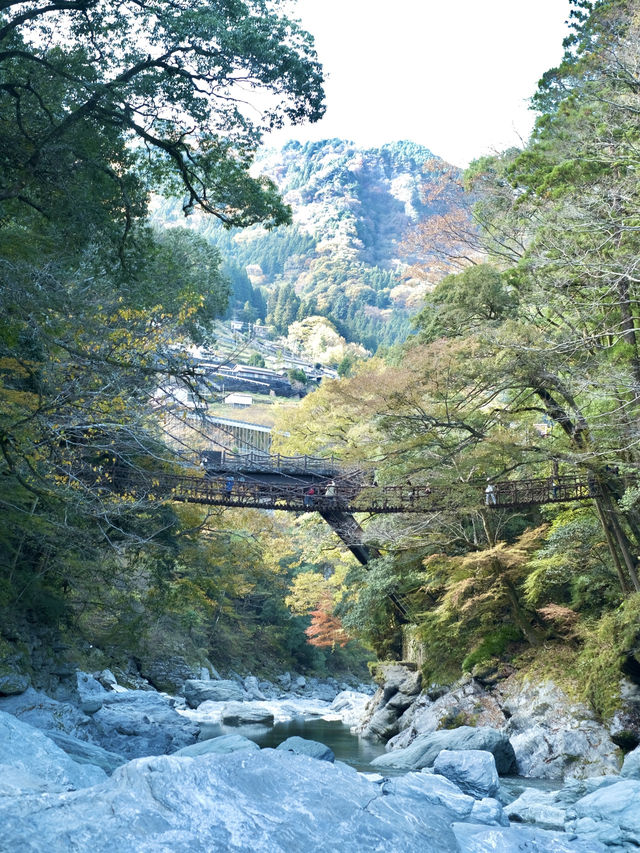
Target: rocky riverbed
(119,769)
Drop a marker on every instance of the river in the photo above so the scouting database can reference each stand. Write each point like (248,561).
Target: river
(347,747)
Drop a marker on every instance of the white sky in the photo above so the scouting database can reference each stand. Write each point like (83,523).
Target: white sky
(453,75)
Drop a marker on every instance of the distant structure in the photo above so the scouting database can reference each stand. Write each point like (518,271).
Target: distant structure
(240,401)
(240,436)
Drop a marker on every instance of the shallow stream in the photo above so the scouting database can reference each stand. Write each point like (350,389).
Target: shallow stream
(352,749)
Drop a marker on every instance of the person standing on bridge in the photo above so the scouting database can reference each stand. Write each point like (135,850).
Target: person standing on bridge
(490,494)
(330,491)
(308,497)
(228,485)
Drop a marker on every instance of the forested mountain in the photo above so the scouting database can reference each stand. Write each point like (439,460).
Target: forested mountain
(342,258)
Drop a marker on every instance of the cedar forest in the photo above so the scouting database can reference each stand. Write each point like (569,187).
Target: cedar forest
(523,360)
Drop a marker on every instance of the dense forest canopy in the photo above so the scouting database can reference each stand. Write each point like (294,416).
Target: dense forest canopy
(102,103)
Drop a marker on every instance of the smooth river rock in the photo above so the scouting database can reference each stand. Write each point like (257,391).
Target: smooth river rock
(423,751)
(610,815)
(140,722)
(84,752)
(196,692)
(520,839)
(246,713)
(31,763)
(261,802)
(221,745)
(472,770)
(303,746)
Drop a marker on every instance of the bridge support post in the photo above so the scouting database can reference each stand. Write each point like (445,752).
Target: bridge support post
(347,528)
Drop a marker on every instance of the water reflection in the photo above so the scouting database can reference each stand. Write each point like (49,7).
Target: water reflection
(347,747)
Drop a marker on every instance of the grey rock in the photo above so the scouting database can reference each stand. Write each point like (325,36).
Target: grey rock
(285,680)
(383,724)
(553,737)
(252,686)
(166,671)
(574,789)
(422,752)
(239,713)
(631,765)
(90,693)
(472,770)
(30,762)
(42,712)
(106,678)
(541,808)
(197,692)
(261,802)
(432,789)
(312,748)
(467,703)
(12,683)
(222,745)
(488,811)
(474,838)
(84,752)
(300,683)
(610,815)
(323,691)
(350,705)
(624,726)
(141,722)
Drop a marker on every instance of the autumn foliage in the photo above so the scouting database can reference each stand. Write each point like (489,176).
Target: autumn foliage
(325,628)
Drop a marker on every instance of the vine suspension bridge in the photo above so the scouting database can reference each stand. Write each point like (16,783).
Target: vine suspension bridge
(313,484)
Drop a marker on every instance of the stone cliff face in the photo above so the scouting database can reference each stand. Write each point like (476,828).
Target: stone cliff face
(552,736)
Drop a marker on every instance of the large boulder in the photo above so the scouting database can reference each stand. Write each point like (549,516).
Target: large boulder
(303,746)
(554,737)
(432,789)
(90,693)
(610,815)
(423,751)
(252,688)
(474,838)
(246,713)
(624,726)
(42,712)
(399,688)
(141,722)
(538,807)
(631,765)
(31,763)
(262,802)
(84,752)
(196,692)
(350,705)
(472,770)
(12,682)
(221,745)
